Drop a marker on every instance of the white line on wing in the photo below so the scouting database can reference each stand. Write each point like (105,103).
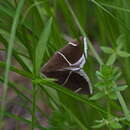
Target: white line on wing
(72,44)
(64,58)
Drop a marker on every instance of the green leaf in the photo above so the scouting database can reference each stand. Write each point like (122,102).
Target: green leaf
(9,53)
(26,63)
(120,41)
(99,75)
(107,71)
(100,85)
(111,59)
(41,46)
(18,71)
(98,125)
(97,96)
(115,125)
(112,96)
(123,54)
(121,88)
(37,81)
(70,93)
(117,75)
(107,50)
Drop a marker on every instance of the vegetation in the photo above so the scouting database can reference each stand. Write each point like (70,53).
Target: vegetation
(30,33)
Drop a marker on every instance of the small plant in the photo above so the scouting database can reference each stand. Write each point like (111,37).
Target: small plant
(112,122)
(109,88)
(117,52)
(107,76)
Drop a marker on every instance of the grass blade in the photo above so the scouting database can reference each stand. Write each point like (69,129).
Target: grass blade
(9,54)
(41,47)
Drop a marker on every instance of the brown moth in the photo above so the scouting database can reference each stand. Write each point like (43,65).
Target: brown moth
(66,67)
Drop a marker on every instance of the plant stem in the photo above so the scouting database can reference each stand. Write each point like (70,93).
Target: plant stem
(123,104)
(9,54)
(109,112)
(33,106)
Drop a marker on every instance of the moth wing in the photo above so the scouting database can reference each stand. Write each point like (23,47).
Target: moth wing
(79,82)
(60,76)
(76,81)
(57,62)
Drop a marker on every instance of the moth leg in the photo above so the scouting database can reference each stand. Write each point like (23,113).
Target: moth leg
(66,80)
(77,90)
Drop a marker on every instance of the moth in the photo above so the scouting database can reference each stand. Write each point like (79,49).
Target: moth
(66,67)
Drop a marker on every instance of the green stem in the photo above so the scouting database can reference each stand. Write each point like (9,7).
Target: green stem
(9,54)
(109,112)
(33,106)
(108,109)
(123,104)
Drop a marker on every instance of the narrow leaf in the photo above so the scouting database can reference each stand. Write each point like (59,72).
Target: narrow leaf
(111,59)
(41,46)
(121,88)
(120,41)
(115,125)
(97,96)
(9,54)
(123,54)
(107,50)
(98,125)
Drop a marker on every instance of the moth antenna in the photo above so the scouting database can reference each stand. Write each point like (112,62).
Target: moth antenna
(67,78)
(85,46)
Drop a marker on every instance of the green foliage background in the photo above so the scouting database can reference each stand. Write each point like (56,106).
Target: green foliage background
(32,30)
